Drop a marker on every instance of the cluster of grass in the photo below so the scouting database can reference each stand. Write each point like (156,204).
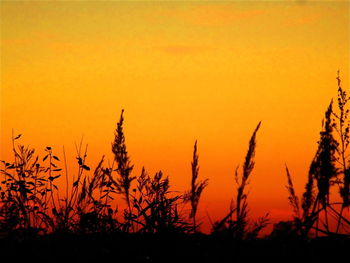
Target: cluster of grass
(318,212)
(31,201)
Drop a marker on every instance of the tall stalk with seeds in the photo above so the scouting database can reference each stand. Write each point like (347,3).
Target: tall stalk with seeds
(342,126)
(248,166)
(124,166)
(197,188)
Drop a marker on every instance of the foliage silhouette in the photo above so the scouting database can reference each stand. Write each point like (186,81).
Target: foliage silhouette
(197,188)
(31,202)
(237,227)
(342,126)
(156,206)
(329,162)
(124,167)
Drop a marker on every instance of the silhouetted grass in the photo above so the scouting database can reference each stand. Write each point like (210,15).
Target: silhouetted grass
(293,198)
(329,162)
(235,224)
(124,167)
(33,209)
(343,129)
(197,188)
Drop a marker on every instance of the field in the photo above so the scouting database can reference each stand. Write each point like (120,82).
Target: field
(38,221)
(210,131)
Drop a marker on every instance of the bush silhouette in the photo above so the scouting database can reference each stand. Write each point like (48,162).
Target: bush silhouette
(31,201)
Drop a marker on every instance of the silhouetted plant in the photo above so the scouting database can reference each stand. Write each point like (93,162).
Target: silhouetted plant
(27,190)
(238,226)
(302,224)
(124,167)
(94,202)
(322,175)
(342,126)
(323,167)
(308,198)
(285,230)
(241,212)
(156,205)
(293,198)
(257,226)
(197,188)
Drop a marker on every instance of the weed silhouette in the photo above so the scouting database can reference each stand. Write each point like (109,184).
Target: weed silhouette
(329,162)
(235,223)
(197,188)
(124,167)
(33,209)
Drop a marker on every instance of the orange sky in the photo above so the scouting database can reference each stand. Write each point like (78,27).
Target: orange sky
(182,71)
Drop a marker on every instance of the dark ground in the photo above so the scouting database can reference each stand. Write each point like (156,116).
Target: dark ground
(169,248)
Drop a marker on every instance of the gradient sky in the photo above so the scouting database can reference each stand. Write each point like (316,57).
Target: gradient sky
(182,71)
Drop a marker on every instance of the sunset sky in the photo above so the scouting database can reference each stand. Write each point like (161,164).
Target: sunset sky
(182,71)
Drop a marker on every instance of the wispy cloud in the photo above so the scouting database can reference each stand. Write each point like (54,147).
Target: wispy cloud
(230,14)
(183,49)
(213,15)
(302,19)
(30,38)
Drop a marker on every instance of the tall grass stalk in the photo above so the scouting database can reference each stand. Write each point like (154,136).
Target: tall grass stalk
(124,166)
(197,188)
(293,198)
(241,200)
(342,126)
